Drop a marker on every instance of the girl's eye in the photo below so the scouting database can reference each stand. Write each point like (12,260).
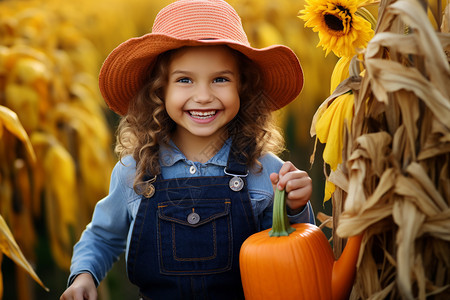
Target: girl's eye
(184,80)
(221,79)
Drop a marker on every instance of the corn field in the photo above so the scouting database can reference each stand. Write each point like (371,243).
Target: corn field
(392,181)
(393,184)
(56,135)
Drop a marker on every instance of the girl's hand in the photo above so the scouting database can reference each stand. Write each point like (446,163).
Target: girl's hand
(82,288)
(296,183)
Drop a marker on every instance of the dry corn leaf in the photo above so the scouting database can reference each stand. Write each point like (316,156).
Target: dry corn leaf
(9,247)
(421,177)
(434,138)
(376,145)
(9,119)
(350,225)
(370,147)
(389,76)
(409,114)
(356,192)
(420,275)
(410,188)
(61,203)
(409,221)
(412,13)
(445,26)
(397,160)
(438,225)
(338,178)
(382,295)
(325,220)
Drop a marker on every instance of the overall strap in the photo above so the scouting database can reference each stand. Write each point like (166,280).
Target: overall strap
(236,164)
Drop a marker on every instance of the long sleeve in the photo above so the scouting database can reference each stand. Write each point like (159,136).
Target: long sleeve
(104,239)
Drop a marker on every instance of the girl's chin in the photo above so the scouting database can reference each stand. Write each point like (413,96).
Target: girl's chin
(211,134)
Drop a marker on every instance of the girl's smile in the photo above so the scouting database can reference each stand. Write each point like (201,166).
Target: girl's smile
(203,116)
(202,95)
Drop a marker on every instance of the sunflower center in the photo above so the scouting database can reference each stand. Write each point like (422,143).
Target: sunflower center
(343,9)
(334,22)
(338,19)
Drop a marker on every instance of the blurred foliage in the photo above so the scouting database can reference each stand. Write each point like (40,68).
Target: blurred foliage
(50,54)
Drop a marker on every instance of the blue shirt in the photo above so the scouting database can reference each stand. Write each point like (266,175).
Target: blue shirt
(109,232)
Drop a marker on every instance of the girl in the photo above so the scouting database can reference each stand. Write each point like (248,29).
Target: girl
(196,142)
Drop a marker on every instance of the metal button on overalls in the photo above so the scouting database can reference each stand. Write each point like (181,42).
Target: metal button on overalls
(193,218)
(192,170)
(236,183)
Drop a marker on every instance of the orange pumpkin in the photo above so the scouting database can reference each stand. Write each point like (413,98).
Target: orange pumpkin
(295,262)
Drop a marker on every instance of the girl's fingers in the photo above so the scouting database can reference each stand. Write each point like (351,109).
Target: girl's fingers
(274,179)
(289,181)
(298,183)
(92,295)
(286,168)
(302,194)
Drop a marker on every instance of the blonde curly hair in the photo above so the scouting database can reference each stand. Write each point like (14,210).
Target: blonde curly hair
(147,125)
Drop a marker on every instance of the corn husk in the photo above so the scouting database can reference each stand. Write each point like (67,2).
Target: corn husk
(394,181)
(9,247)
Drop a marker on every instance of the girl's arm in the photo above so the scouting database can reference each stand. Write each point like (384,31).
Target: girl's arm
(105,237)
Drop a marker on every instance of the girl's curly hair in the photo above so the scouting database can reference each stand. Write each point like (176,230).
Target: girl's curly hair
(147,125)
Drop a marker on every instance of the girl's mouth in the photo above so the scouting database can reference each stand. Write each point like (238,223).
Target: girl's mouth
(202,115)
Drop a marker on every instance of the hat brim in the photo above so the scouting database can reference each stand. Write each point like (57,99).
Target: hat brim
(125,69)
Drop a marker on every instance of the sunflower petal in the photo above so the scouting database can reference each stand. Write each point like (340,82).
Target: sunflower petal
(330,128)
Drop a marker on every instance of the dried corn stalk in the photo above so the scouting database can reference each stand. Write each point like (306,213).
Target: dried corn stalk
(394,182)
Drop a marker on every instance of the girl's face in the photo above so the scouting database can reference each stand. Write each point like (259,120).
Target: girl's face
(202,96)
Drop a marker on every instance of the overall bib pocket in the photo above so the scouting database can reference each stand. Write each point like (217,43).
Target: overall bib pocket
(194,236)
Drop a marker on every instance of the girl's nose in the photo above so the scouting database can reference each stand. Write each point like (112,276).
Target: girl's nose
(203,94)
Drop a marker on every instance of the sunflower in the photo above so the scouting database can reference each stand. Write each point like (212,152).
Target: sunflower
(340,29)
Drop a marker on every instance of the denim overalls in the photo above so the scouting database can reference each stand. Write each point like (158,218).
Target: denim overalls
(186,238)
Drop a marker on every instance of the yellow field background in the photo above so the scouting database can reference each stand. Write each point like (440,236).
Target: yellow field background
(50,55)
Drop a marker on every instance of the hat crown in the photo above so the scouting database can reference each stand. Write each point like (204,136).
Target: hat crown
(187,23)
(200,20)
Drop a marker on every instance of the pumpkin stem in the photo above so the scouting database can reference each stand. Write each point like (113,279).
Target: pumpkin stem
(280,220)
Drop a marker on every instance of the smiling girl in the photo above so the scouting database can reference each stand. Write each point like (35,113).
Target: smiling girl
(197,149)
(202,97)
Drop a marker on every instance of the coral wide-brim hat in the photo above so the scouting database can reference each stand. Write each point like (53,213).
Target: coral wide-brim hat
(195,23)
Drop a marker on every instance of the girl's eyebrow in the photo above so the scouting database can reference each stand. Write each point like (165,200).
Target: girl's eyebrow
(225,72)
(180,72)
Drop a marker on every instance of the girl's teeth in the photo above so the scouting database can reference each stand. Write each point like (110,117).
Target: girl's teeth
(202,115)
